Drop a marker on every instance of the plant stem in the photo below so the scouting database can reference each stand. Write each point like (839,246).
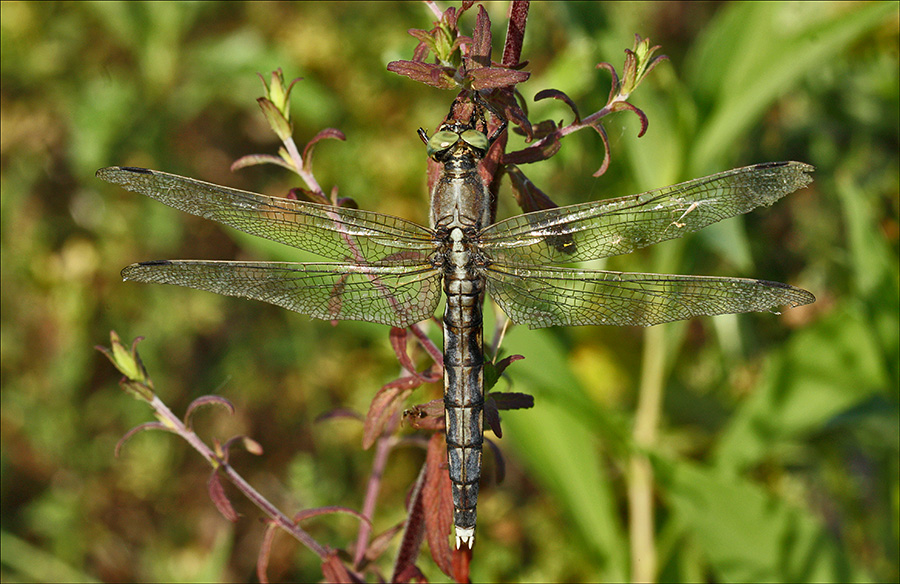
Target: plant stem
(283,521)
(640,485)
(383,447)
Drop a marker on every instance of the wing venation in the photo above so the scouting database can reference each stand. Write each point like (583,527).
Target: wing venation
(337,233)
(601,229)
(393,295)
(542,297)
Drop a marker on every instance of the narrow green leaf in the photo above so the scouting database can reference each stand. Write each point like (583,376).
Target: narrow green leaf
(558,442)
(763,50)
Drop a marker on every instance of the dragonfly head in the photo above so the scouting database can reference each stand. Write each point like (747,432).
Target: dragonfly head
(455,139)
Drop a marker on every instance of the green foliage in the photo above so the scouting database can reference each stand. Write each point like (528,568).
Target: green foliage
(778,445)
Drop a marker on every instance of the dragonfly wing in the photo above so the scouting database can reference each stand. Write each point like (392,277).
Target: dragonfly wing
(541,297)
(393,295)
(333,232)
(601,229)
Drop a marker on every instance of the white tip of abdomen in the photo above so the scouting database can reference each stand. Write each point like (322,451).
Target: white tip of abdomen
(465,535)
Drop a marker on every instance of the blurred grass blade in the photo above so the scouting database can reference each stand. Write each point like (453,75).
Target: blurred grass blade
(24,562)
(558,441)
(740,67)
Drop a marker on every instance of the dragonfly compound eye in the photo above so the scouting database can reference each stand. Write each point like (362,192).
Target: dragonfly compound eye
(440,142)
(475,139)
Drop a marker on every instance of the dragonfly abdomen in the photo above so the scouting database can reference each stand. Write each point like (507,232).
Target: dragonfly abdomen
(463,388)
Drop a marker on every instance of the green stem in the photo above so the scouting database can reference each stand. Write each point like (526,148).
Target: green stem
(640,485)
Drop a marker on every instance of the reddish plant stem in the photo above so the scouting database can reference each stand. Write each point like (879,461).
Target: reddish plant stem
(383,447)
(175,424)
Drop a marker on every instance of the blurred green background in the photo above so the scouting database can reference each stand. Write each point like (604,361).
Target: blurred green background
(777,450)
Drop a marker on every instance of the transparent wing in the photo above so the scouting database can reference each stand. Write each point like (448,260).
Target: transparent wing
(397,296)
(333,232)
(570,297)
(606,228)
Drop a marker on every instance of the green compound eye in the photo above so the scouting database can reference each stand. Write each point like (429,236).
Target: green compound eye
(440,142)
(475,139)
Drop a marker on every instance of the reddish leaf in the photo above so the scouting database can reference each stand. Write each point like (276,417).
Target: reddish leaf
(515,33)
(512,107)
(540,151)
(333,570)
(141,428)
(605,164)
(496,77)
(414,529)
(424,36)
(481,46)
(438,503)
(614,88)
(265,550)
(249,444)
(492,416)
(517,116)
(556,94)
(301,194)
(420,53)
(385,404)
(512,400)
(449,18)
(462,557)
(427,73)
(501,365)
(499,462)
(381,542)
(527,195)
(398,338)
(624,105)
(429,345)
(309,513)
(459,42)
(203,401)
(217,494)
(324,134)
(492,372)
(398,343)
(410,573)
(540,130)
(254,159)
(346,202)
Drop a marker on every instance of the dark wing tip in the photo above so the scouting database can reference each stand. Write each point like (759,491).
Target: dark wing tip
(792,175)
(109,172)
(801,165)
(798,296)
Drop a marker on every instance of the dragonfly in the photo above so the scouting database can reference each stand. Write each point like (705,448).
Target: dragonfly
(388,270)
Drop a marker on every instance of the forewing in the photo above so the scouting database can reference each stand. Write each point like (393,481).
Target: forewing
(393,295)
(570,297)
(601,229)
(333,232)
